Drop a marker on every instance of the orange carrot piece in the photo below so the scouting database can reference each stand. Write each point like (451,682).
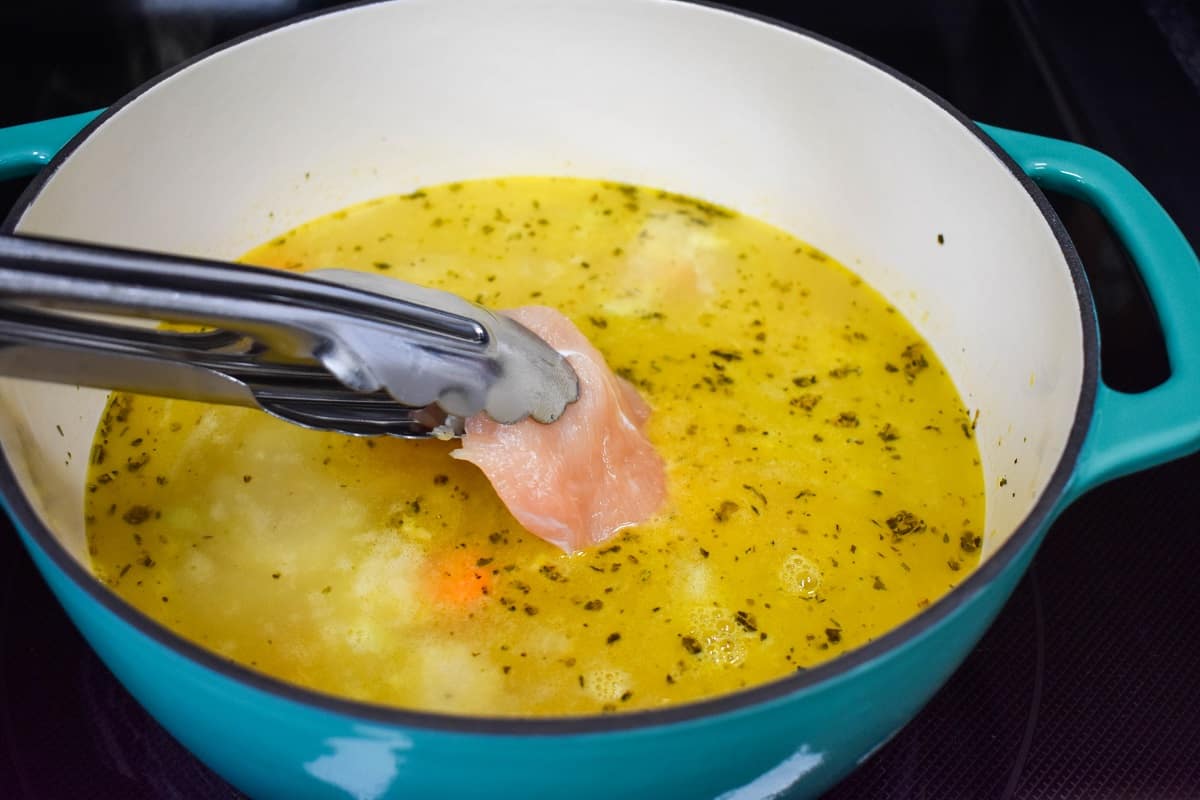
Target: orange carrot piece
(460,579)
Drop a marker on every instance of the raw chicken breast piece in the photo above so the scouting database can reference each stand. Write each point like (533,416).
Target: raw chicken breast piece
(580,479)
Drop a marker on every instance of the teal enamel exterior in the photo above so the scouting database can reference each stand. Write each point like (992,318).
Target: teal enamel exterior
(272,746)
(272,740)
(1130,432)
(25,149)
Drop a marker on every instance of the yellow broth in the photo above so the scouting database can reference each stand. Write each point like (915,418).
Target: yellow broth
(824,483)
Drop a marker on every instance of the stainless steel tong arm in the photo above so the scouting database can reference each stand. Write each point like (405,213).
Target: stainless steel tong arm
(370,333)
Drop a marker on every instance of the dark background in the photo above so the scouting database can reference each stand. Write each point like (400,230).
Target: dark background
(1088,685)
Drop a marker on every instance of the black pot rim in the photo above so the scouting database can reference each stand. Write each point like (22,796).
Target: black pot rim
(1024,536)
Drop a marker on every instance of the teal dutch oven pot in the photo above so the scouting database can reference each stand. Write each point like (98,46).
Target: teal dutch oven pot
(940,214)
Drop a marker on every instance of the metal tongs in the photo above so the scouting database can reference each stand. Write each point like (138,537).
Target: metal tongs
(331,349)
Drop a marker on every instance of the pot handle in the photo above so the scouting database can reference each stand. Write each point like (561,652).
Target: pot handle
(25,149)
(1130,432)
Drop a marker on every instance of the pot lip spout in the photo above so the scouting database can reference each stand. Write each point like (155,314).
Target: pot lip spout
(1006,557)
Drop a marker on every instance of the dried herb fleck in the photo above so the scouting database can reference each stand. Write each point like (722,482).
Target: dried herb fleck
(914,361)
(845,371)
(904,523)
(968,428)
(550,571)
(806,401)
(136,515)
(755,492)
(726,510)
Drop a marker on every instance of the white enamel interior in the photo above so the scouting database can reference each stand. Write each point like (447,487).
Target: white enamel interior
(385,98)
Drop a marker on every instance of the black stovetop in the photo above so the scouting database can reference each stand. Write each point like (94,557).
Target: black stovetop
(1088,685)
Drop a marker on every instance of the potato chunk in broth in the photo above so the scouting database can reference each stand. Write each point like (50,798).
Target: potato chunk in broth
(823,482)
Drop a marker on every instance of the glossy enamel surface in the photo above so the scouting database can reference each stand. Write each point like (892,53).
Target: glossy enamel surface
(25,149)
(1130,431)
